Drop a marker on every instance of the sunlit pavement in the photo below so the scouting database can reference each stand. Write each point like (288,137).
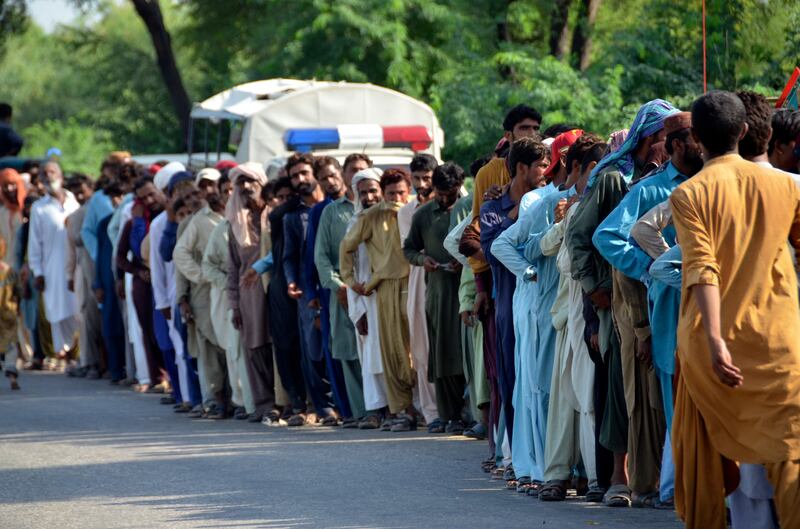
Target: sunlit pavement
(78,453)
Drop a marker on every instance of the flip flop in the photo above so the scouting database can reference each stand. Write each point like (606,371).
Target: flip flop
(617,496)
(642,501)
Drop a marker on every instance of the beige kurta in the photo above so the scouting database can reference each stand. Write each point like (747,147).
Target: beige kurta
(732,220)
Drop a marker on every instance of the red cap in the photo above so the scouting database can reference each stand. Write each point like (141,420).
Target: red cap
(153,169)
(225,164)
(560,146)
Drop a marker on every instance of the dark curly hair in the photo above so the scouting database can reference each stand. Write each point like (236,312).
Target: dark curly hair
(759,122)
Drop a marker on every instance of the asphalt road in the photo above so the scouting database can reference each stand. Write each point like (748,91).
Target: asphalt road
(84,454)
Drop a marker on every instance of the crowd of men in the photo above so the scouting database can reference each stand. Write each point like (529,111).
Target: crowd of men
(551,311)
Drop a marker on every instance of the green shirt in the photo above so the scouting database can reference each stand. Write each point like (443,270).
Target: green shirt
(332,229)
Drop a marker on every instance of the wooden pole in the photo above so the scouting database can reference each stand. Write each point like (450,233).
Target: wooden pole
(705,62)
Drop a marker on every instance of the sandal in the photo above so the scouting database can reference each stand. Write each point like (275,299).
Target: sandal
(523,484)
(404,423)
(554,490)
(436,426)
(647,500)
(297,420)
(370,422)
(618,496)
(595,494)
(666,505)
(330,420)
(533,490)
(478,431)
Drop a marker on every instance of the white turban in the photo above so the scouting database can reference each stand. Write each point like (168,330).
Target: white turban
(371,173)
(164,175)
(209,173)
(235,211)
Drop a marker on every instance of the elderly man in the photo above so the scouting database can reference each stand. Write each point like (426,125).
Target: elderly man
(246,213)
(422,166)
(188,259)
(424,247)
(47,253)
(80,273)
(363,310)
(377,229)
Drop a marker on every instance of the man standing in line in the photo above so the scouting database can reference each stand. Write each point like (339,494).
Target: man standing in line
(47,253)
(424,247)
(377,230)
(422,166)
(80,276)
(332,227)
(738,396)
(300,168)
(188,259)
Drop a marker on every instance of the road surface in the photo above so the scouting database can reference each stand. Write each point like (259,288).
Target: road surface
(78,453)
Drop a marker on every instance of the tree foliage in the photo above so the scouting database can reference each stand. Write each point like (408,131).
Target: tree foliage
(469,59)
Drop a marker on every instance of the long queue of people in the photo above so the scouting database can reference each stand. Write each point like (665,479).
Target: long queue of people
(551,311)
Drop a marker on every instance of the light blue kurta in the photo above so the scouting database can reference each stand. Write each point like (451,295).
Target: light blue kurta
(506,248)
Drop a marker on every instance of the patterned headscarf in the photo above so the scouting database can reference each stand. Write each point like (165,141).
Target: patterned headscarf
(371,173)
(11,176)
(649,120)
(236,210)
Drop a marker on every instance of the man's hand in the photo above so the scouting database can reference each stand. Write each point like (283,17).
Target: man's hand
(120,286)
(514,213)
(455,265)
(722,364)
(166,312)
(481,306)
(361,325)
(594,341)
(250,278)
(71,285)
(644,351)
(467,318)
(294,291)
(24,273)
(601,297)
(359,289)
(186,311)
(236,319)
(171,210)
(341,296)
(137,210)
(38,283)
(99,295)
(492,193)
(144,275)
(430,264)
(314,304)
(561,210)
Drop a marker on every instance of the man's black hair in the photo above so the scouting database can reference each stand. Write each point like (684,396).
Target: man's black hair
(559,128)
(447,176)
(680,135)
(718,118)
(526,151)
(519,114)
(578,150)
(141,182)
(785,127)
(423,162)
(112,189)
(477,165)
(224,178)
(268,190)
(759,123)
(595,154)
(282,182)
(6,111)
(30,164)
(75,180)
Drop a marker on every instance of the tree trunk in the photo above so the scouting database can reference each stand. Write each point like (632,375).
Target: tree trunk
(582,38)
(559,29)
(150,13)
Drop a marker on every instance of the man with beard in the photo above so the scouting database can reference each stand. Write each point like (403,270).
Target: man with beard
(362,311)
(613,240)
(300,168)
(326,230)
(785,140)
(248,237)
(377,230)
(80,276)
(215,270)
(47,253)
(149,202)
(608,184)
(424,247)
(188,259)
(422,166)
